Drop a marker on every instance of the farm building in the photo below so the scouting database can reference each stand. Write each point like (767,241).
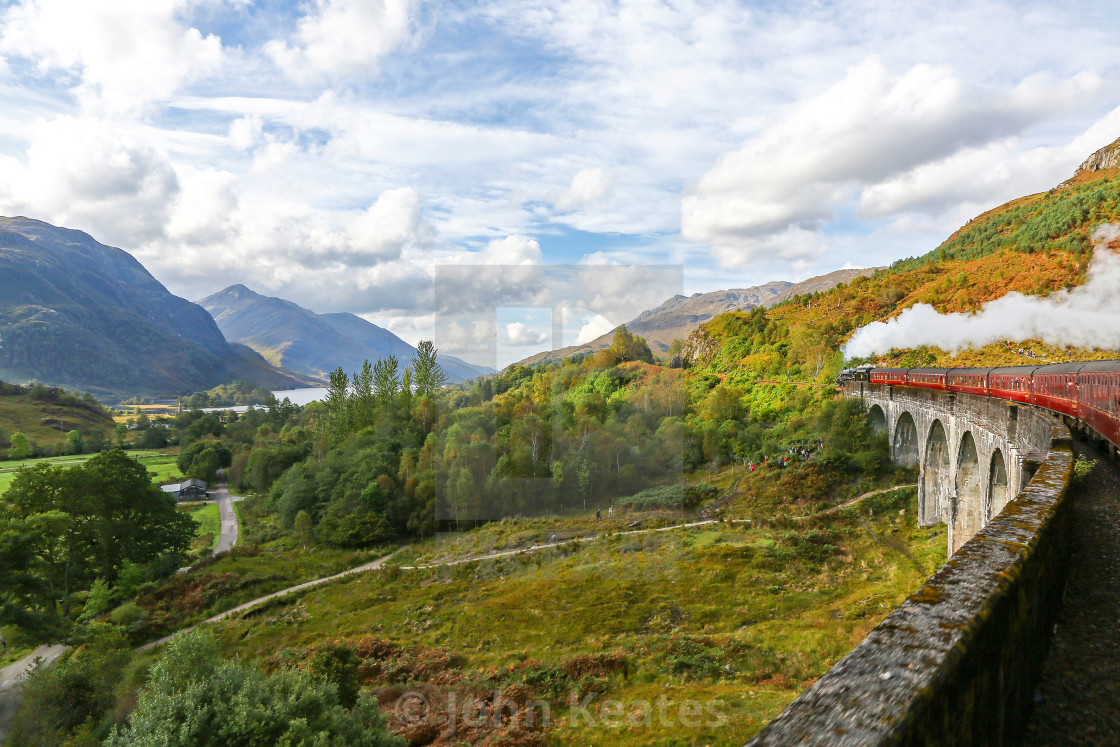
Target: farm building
(191,490)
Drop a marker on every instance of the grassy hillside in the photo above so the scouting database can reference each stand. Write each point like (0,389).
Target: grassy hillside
(1034,245)
(46,416)
(744,614)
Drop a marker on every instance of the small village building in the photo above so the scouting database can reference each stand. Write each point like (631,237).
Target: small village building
(191,490)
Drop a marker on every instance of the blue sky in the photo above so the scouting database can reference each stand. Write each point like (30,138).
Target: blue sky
(336,152)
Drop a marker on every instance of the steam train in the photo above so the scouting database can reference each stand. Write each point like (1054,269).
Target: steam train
(1088,391)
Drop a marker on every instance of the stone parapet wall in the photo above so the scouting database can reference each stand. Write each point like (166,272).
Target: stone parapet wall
(957,662)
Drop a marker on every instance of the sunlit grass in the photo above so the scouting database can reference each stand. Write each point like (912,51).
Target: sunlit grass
(797,597)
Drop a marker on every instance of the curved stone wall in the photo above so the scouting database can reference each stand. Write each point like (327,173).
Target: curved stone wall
(957,662)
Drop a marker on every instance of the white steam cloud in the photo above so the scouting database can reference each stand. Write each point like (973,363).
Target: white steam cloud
(1087,316)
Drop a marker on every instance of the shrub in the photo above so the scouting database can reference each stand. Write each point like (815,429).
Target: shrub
(671,496)
(195,697)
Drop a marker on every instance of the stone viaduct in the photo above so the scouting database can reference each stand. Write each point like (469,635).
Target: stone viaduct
(975,453)
(957,662)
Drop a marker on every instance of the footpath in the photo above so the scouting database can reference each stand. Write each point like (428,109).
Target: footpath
(1078,699)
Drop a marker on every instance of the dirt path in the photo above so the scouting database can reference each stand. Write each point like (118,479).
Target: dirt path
(1078,699)
(10,685)
(854,501)
(382,560)
(259,600)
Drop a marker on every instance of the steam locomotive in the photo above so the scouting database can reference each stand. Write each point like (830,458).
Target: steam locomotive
(1089,391)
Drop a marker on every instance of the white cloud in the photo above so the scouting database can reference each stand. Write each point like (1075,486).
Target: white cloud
(245,132)
(867,128)
(344,37)
(82,173)
(512,250)
(588,185)
(126,54)
(520,335)
(993,173)
(390,224)
(203,212)
(594,329)
(273,156)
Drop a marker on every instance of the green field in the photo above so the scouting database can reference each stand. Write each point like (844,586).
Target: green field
(208,518)
(160,464)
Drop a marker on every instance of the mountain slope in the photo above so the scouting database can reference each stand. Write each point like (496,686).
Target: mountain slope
(299,340)
(1034,245)
(679,316)
(375,338)
(77,313)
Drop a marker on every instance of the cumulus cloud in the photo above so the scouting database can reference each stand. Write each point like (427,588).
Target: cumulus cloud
(390,223)
(511,250)
(204,208)
(1085,316)
(344,37)
(82,173)
(126,54)
(588,185)
(865,129)
(520,335)
(594,328)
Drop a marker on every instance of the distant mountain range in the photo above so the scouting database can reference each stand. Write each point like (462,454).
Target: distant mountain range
(79,314)
(680,315)
(297,339)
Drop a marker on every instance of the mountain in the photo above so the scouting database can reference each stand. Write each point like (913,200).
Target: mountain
(373,337)
(299,340)
(79,314)
(680,315)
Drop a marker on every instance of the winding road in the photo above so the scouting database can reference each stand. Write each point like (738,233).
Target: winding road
(228,537)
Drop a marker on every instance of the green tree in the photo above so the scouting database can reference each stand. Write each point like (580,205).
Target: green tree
(387,384)
(303,529)
(339,410)
(337,664)
(86,521)
(427,375)
(98,601)
(61,702)
(362,401)
(153,438)
(202,459)
(625,347)
(74,443)
(20,447)
(120,432)
(25,596)
(194,697)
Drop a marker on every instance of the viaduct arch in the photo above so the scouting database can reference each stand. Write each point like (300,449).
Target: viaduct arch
(975,453)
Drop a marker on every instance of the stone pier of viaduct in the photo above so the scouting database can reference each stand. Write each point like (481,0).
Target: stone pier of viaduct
(975,453)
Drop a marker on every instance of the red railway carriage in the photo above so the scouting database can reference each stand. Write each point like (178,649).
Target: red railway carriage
(927,378)
(895,376)
(1087,391)
(968,380)
(1055,387)
(1011,382)
(1098,397)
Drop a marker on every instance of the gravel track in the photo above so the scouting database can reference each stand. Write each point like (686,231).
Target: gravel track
(1078,699)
